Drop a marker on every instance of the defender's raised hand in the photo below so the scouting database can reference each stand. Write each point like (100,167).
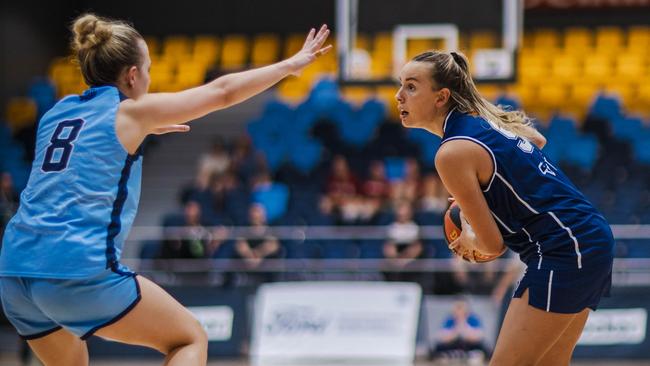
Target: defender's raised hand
(311,50)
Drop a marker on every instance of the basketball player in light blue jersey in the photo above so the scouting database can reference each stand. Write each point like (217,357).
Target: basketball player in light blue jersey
(512,195)
(60,276)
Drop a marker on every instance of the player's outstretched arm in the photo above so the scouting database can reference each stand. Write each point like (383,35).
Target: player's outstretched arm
(156,110)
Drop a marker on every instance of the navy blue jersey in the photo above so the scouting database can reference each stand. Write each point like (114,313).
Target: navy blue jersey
(82,194)
(540,213)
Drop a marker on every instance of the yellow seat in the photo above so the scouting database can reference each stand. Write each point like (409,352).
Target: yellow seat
(176,47)
(490,91)
(266,49)
(598,68)
(526,93)
(532,68)
(552,95)
(416,46)
(625,91)
(566,67)
(381,68)
(638,39)
(630,66)
(235,52)
(206,49)
(544,38)
(383,43)
(609,39)
(21,112)
(641,101)
(482,39)
(293,90)
(162,73)
(292,44)
(190,74)
(577,40)
(582,94)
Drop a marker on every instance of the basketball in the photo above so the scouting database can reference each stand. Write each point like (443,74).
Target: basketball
(453,227)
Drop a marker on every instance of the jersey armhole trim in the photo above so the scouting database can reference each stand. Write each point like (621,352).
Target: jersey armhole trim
(494,160)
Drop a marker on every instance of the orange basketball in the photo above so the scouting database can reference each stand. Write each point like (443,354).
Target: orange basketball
(453,227)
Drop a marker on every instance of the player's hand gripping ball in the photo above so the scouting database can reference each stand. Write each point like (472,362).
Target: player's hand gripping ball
(453,226)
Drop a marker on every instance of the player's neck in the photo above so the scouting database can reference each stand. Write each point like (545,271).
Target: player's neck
(435,126)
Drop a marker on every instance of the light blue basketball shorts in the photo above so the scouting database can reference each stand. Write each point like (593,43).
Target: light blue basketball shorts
(39,306)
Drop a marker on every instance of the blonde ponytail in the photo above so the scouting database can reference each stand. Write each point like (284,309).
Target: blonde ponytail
(451,70)
(104,48)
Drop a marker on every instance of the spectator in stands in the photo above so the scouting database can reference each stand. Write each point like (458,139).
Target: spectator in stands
(375,188)
(216,162)
(407,187)
(245,162)
(403,244)
(433,195)
(192,239)
(461,336)
(324,216)
(259,243)
(8,200)
(342,185)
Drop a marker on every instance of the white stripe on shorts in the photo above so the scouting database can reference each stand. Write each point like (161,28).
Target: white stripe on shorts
(548,296)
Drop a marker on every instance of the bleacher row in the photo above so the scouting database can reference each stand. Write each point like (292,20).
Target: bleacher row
(558,69)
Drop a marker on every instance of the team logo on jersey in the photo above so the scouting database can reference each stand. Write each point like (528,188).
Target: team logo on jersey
(546,168)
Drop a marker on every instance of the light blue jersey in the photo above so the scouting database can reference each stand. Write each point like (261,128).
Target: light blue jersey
(540,213)
(82,194)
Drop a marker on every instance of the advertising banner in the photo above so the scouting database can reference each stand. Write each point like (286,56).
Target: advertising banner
(302,321)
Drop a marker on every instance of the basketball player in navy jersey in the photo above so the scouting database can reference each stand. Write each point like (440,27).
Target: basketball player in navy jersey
(512,195)
(60,276)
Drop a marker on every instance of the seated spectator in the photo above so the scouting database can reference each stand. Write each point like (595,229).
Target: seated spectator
(403,244)
(341,184)
(406,188)
(216,162)
(259,243)
(376,186)
(245,162)
(375,189)
(192,240)
(461,337)
(434,197)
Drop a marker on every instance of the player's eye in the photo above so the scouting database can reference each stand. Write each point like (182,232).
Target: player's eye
(411,87)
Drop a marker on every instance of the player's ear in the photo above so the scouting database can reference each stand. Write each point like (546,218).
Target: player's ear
(443,97)
(130,76)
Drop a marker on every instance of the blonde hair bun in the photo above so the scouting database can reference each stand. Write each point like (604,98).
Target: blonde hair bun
(90,31)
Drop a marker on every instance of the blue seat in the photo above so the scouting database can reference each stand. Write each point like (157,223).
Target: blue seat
(627,128)
(274,198)
(428,144)
(582,152)
(606,107)
(395,168)
(305,155)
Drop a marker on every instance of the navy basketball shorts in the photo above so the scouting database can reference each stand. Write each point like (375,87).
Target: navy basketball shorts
(37,307)
(567,291)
